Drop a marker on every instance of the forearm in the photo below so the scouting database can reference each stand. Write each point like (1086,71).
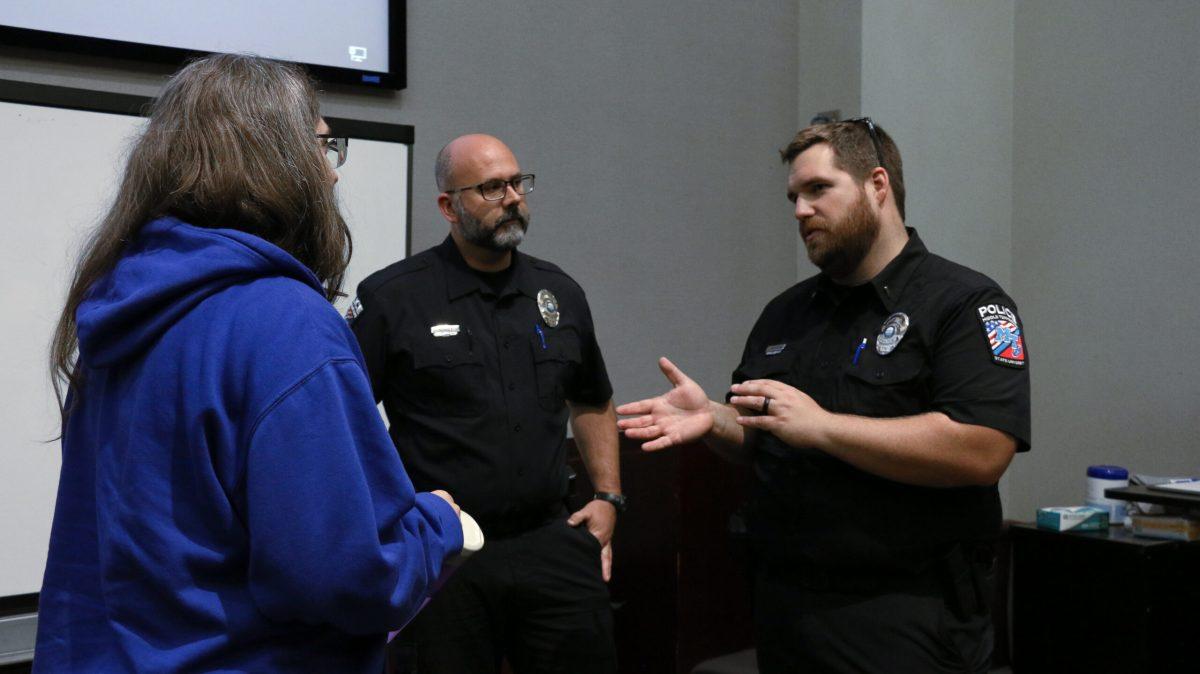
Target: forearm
(595,431)
(929,450)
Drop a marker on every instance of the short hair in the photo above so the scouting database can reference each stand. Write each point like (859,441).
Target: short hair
(441,168)
(853,152)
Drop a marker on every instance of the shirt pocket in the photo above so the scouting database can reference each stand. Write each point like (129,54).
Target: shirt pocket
(556,356)
(777,367)
(448,377)
(887,386)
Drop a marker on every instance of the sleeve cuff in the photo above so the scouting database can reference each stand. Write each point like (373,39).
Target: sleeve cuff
(999,421)
(447,520)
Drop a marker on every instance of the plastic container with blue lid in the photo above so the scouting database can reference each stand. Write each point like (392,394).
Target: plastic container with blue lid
(1104,477)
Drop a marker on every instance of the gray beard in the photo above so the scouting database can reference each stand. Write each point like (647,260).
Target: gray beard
(505,237)
(509,236)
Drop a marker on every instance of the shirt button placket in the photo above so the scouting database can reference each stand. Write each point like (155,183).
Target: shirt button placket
(508,383)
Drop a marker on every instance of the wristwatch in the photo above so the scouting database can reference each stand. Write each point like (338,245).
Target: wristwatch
(618,500)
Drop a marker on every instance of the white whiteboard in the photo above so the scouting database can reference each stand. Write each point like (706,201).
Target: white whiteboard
(61,172)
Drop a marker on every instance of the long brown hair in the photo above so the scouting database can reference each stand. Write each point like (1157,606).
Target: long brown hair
(229,143)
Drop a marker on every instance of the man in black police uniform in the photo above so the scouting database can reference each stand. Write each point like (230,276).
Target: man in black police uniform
(880,402)
(480,354)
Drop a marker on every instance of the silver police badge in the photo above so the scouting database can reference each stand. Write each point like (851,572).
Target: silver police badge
(891,333)
(548,306)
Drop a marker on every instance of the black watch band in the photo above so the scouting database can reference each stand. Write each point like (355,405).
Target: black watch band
(618,500)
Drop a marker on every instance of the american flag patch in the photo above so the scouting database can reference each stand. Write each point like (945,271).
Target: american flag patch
(354,310)
(1003,335)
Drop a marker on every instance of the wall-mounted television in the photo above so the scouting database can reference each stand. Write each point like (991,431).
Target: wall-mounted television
(360,42)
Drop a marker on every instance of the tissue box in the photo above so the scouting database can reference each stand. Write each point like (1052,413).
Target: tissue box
(1166,526)
(1076,518)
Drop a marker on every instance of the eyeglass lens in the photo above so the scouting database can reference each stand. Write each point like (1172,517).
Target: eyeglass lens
(493,190)
(335,151)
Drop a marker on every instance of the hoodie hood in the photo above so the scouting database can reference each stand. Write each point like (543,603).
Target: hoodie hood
(169,269)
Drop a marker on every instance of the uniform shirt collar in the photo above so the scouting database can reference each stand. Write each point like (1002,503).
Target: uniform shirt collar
(888,284)
(462,280)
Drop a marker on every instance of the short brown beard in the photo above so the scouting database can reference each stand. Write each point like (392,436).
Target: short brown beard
(847,241)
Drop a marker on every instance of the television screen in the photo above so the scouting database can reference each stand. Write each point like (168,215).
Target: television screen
(360,42)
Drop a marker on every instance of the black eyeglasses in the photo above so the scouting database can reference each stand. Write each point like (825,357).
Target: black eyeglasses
(495,189)
(866,121)
(334,148)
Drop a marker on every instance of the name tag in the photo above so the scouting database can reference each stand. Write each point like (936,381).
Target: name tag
(444,330)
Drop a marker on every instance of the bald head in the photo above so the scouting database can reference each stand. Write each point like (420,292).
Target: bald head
(467,156)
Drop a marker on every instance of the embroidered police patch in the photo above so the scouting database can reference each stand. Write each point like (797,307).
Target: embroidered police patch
(1003,332)
(354,310)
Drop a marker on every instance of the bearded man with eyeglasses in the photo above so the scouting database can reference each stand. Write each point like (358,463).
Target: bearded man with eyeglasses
(481,355)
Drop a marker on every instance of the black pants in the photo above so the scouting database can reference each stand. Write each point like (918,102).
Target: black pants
(536,598)
(933,622)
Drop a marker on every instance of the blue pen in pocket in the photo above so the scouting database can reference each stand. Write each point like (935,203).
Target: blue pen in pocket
(858,352)
(541,335)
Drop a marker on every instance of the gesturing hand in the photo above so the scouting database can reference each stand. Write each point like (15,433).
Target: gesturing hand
(678,416)
(792,416)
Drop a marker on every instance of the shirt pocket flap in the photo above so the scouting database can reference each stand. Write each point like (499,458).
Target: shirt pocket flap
(559,346)
(769,367)
(881,371)
(444,352)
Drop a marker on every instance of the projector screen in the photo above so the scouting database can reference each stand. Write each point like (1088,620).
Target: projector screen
(359,42)
(57,185)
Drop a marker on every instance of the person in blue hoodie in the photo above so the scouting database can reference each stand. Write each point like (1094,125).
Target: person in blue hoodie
(229,499)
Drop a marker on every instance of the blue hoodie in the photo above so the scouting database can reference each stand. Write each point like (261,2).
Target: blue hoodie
(229,498)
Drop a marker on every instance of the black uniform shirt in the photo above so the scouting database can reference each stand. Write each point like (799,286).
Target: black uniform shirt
(963,354)
(475,381)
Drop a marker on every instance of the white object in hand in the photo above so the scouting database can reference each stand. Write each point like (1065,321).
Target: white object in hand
(472,534)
